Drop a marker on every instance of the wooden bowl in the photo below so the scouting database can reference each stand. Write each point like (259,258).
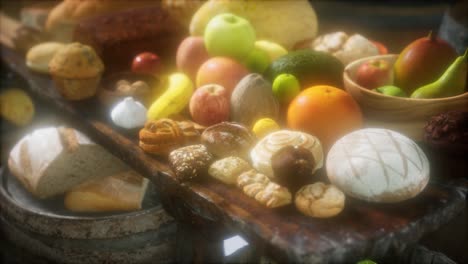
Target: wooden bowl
(405,115)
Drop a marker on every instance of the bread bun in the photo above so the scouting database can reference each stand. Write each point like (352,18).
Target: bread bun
(262,152)
(190,162)
(319,200)
(378,165)
(228,139)
(228,169)
(63,18)
(39,56)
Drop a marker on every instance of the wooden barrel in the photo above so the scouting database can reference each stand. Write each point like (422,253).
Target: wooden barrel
(46,228)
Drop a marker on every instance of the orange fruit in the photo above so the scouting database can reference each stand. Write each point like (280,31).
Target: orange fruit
(325,112)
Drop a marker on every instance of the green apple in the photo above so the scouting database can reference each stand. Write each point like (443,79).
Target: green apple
(257,61)
(286,87)
(229,35)
(274,50)
(391,91)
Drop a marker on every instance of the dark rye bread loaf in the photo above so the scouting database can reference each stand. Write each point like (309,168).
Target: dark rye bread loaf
(119,37)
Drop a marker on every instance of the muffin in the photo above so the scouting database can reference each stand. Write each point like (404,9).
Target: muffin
(446,143)
(76,70)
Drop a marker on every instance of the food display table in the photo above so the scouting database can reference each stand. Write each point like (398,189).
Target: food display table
(208,208)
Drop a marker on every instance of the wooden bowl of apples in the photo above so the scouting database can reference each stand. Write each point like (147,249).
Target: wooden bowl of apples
(403,114)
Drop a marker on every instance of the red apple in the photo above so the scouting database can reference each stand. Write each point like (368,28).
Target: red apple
(146,63)
(381,47)
(190,55)
(374,73)
(223,71)
(209,105)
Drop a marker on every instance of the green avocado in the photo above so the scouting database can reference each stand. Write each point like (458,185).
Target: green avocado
(310,68)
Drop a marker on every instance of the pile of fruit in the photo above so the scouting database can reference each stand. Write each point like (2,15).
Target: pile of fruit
(427,68)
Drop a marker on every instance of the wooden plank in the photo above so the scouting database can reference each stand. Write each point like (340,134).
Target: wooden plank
(361,230)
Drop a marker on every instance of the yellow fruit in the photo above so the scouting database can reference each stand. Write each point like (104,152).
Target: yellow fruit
(274,50)
(174,99)
(264,126)
(16,106)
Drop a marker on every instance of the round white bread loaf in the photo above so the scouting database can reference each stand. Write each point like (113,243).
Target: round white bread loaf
(378,165)
(262,152)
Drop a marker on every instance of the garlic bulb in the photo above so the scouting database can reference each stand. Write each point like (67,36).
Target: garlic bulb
(129,114)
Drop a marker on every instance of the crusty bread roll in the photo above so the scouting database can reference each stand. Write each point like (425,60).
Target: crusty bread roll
(319,200)
(50,161)
(39,56)
(63,18)
(123,191)
(262,152)
(378,165)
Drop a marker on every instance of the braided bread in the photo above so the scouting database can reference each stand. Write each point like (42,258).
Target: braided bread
(258,186)
(162,136)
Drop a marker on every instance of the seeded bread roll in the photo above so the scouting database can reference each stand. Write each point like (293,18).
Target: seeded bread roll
(50,161)
(319,200)
(228,169)
(190,162)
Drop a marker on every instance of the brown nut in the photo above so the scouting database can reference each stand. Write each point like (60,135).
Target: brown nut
(228,139)
(293,167)
(190,162)
(320,200)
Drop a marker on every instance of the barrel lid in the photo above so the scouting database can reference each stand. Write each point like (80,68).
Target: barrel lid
(50,217)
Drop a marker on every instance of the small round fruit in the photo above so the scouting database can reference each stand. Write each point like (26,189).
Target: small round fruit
(16,106)
(264,126)
(286,87)
(146,63)
(229,35)
(221,70)
(191,53)
(257,61)
(325,112)
(209,105)
(391,90)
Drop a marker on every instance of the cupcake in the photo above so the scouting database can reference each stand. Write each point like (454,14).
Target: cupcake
(446,143)
(76,70)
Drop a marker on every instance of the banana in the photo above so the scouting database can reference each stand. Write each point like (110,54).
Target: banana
(16,106)
(174,99)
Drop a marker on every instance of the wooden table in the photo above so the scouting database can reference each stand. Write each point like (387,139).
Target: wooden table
(208,207)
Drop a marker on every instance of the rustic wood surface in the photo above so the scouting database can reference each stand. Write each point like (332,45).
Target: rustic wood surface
(361,230)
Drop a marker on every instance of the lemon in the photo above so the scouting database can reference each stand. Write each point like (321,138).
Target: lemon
(264,126)
(16,106)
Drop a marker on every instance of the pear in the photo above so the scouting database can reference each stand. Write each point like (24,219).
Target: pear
(451,83)
(288,23)
(422,62)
